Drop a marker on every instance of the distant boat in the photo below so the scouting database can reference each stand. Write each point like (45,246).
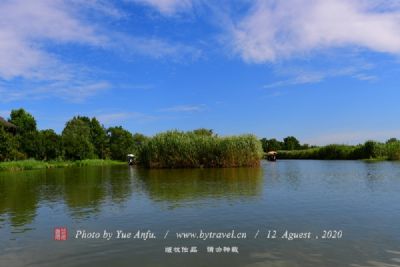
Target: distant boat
(131,159)
(271,155)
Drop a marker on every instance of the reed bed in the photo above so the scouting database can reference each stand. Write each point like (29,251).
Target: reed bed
(176,149)
(370,150)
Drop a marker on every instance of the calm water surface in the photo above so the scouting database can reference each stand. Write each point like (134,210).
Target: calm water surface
(360,199)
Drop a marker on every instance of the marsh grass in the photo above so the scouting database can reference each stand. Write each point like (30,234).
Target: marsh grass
(176,149)
(370,151)
(32,164)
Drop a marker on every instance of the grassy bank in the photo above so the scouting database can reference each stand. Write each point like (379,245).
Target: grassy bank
(36,164)
(371,151)
(175,149)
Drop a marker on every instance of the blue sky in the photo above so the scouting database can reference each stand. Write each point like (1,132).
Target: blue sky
(325,71)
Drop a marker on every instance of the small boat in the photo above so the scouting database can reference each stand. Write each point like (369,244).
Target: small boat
(131,159)
(271,155)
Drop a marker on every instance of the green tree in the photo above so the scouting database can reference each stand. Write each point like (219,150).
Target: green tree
(76,140)
(373,149)
(121,142)
(291,143)
(271,144)
(8,145)
(50,145)
(392,140)
(98,136)
(27,134)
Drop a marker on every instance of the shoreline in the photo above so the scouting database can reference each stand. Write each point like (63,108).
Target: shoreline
(31,164)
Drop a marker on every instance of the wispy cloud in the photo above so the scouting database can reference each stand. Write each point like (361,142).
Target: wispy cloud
(29,29)
(302,78)
(26,24)
(167,7)
(365,77)
(154,47)
(77,91)
(185,108)
(275,30)
(120,117)
(304,74)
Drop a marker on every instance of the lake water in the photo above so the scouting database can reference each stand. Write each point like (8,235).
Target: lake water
(358,201)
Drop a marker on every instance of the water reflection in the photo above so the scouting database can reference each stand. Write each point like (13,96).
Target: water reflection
(19,198)
(88,191)
(186,184)
(83,190)
(357,197)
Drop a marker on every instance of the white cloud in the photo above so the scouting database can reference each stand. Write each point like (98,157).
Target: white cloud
(167,7)
(25,25)
(30,28)
(185,108)
(280,29)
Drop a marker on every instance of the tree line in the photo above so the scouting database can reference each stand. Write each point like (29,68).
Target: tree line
(290,148)
(288,143)
(81,138)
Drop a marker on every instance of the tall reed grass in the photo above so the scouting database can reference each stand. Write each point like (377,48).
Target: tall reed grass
(176,149)
(368,150)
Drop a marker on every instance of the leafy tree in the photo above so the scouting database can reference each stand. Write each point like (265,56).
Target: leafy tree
(392,140)
(76,140)
(23,120)
(27,134)
(373,149)
(8,145)
(271,144)
(121,142)
(291,143)
(98,136)
(50,145)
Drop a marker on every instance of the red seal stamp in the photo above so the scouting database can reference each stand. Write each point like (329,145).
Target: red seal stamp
(60,233)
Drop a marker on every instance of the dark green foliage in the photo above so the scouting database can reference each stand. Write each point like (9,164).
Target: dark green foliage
(393,150)
(49,145)
(76,140)
(271,144)
(82,138)
(27,134)
(291,143)
(23,120)
(98,136)
(121,143)
(8,146)
(392,140)
(175,149)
